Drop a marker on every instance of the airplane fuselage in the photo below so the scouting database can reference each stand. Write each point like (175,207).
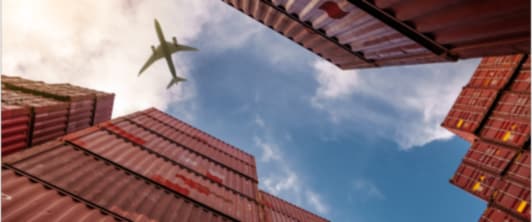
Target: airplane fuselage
(163,45)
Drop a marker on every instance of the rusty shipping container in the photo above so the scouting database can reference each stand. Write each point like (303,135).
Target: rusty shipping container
(509,132)
(196,162)
(490,157)
(15,127)
(494,214)
(475,181)
(186,140)
(495,72)
(86,107)
(519,169)
(48,117)
(513,105)
(468,112)
(279,210)
(202,136)
(361,34)
(26,199)
(514,197)
(107,185)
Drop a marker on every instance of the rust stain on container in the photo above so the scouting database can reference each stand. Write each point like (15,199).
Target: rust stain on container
(109,186)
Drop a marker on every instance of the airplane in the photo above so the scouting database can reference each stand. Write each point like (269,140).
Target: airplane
(166,49)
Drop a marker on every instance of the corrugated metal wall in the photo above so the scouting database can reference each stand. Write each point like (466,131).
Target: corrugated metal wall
(496,167)
(52,111)
(362,34)
(276,209)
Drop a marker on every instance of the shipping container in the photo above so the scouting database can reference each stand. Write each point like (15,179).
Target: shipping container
(86,107)
(502,130)
(468,112)
(26,199)
(48,118)
(514,197)
(521,83)
(519,170)
(287,209)
(362,34)
(187,141)
(15,128)
(109,185)
(513,106)
(201,136)
(490,157)
(274,216)
(501,62)
(494,214)
(119,131)
(475,181)
(124,149)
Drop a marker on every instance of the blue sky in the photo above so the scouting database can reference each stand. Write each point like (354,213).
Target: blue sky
(362,145)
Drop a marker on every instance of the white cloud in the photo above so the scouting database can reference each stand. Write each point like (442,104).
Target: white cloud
(102,45)
(279,178)
(269,151)
(405,104)
(365,190)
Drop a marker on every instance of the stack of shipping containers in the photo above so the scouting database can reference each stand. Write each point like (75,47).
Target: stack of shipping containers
(35,112)
(493,113)
(146,165)
(364,34)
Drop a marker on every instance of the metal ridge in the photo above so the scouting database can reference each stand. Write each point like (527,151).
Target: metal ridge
(63,191)
(189,149)
(404,29)
(207,134)
(357,54)
(157,154)
(181,131)
(146,179)
(290,204)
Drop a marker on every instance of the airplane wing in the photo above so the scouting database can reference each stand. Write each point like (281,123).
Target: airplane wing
(173,48)
(157,54)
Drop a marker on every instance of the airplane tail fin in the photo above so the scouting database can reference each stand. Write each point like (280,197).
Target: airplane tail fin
(174,81)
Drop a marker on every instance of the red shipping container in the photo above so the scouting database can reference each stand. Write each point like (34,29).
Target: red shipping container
(513,106)
(493,214)
(25,199)
(521,83)
(125,151)
(514,133)
(519,170)
(201,136)
(279,205)
(475,181)
(193,161)
(15,128)
(490,157)
(508,61)
(184,140)
(514,197)
(468,112)
(491,78)
(108,185)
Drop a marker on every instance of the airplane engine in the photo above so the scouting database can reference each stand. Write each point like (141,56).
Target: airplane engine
(175,40)
(153,48)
